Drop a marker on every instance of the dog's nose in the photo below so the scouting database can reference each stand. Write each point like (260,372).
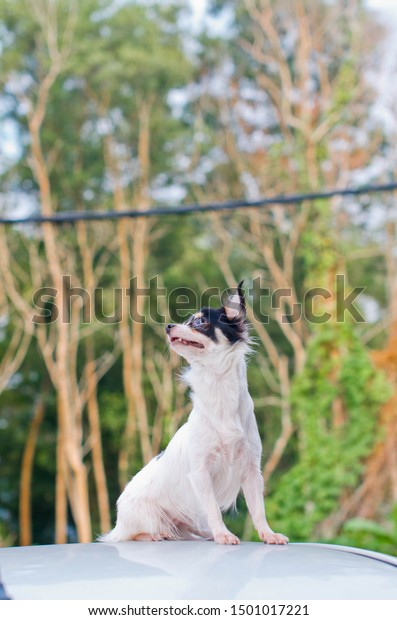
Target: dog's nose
(169,327)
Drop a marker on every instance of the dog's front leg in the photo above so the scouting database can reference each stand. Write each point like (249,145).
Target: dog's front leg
(204,491)
(253,493)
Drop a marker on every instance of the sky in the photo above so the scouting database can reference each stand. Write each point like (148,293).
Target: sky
(384,5)
(386,8)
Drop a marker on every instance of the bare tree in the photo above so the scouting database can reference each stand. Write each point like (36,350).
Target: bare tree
(59,338)
(16,309)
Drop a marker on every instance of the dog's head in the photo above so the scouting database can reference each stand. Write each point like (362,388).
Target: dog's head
(211,331)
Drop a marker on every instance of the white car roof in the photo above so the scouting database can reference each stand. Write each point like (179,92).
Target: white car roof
(196,570)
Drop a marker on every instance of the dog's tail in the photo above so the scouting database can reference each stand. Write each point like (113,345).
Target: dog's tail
(115,535)
(108,537)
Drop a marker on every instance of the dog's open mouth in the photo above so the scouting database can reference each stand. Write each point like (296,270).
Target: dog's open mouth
(189,343)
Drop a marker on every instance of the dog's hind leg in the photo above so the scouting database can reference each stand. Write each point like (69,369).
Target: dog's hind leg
(146,537)
(187,531)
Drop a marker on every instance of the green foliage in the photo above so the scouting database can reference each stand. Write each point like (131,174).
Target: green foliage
(332,444)
(369,534)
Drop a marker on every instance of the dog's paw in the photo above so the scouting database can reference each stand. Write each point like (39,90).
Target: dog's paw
(226,538)
(273,539)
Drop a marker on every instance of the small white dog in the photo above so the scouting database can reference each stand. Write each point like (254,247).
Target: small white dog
(181,493)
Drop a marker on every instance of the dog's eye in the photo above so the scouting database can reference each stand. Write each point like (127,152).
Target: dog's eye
(199,321)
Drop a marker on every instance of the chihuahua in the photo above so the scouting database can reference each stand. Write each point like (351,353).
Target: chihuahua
(181,493)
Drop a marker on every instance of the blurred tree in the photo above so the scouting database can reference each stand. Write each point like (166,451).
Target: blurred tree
(56,57)
(335,403)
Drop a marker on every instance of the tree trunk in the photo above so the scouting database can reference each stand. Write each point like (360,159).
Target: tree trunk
(95,435)
(25,492)
(69,435)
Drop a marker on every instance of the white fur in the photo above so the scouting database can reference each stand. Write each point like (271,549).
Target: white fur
(181,494)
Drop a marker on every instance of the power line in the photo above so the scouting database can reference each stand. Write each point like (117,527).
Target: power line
(75,216)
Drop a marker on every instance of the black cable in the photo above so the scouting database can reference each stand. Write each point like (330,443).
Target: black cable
(75,216)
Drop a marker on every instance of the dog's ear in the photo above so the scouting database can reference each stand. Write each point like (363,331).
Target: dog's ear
(235,304)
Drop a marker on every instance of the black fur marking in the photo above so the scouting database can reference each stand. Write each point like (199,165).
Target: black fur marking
(208,319)
(241,295)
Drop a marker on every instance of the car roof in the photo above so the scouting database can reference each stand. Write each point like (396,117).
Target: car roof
(196,570)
